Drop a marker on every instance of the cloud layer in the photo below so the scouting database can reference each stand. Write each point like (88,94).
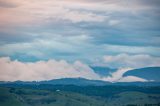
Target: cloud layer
(46,70)
(134,61)
(43,70)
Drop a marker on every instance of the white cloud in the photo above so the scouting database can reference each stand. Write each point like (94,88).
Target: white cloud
(52,69)
(43,70)
(113,22)
(76,16)
(115,76)
(132,79)
(132,49)
(29,12)
(134,61)
(45,48)
(37,13)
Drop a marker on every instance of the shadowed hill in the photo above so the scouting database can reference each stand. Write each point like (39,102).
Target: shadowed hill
(149,73)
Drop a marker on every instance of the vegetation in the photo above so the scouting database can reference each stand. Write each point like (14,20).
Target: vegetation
(70,95)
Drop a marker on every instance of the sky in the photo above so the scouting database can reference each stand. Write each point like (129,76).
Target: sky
(75,34)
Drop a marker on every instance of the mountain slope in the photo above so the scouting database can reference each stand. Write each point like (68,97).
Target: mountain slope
(103,71)
(74,81)
(149,73)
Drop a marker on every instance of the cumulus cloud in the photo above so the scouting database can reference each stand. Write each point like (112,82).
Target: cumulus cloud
(13,70)
(43,70)
(134,61)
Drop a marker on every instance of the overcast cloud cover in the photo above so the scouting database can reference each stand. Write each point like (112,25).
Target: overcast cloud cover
(112,33)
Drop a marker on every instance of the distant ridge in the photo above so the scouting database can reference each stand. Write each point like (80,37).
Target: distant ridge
(63,81)
(81,82)
(148,73)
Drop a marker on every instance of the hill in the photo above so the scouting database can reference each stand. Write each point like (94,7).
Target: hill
(80,82)
(149,73)
(82,96)
(30,97)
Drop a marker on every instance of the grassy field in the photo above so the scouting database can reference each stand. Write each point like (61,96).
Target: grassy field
(33,97)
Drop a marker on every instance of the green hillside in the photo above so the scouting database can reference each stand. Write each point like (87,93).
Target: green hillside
(33,97)
(28,97)
(134,99)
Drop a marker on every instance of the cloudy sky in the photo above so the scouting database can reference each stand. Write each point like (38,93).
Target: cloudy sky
(77,33)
